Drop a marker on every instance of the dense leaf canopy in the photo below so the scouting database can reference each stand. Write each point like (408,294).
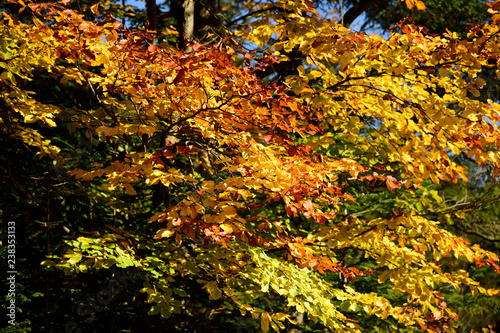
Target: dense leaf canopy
(315,187)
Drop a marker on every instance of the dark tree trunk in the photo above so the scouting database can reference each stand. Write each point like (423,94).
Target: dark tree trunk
(356,10)
(152,13)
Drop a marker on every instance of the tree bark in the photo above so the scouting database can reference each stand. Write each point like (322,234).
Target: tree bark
(188,26)
(152,17)
(356,10)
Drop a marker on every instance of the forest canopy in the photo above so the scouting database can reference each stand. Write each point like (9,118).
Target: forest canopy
(205,166)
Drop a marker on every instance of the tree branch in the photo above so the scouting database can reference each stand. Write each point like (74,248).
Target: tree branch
(243,17)
(284,68)
(469,232)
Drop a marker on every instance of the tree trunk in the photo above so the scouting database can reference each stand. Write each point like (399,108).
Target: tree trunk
(152,17)
(188,26)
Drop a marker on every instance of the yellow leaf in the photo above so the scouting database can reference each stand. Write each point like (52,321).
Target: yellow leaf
(264,324)
(164,233)
(95,9)
(146,130)
(314,74)
(213,290)
(129,189)
(5,75)
(475,92)
(207,185)
(227,228)
(280,316)
(228,212)
(443,72)
(480,82)
(434,179)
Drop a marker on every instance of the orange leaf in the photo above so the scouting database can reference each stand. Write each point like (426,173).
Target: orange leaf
(409,4)
(168,154)
(95,9)
(420,5)
(189,231)
(495,5)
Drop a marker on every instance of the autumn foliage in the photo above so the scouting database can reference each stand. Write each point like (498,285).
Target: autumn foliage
(260,176)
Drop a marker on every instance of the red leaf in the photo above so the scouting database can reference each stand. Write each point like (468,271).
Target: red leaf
(180,76)
(189,231)
(494,5)
(184,151)
(292,151)
(168,154)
